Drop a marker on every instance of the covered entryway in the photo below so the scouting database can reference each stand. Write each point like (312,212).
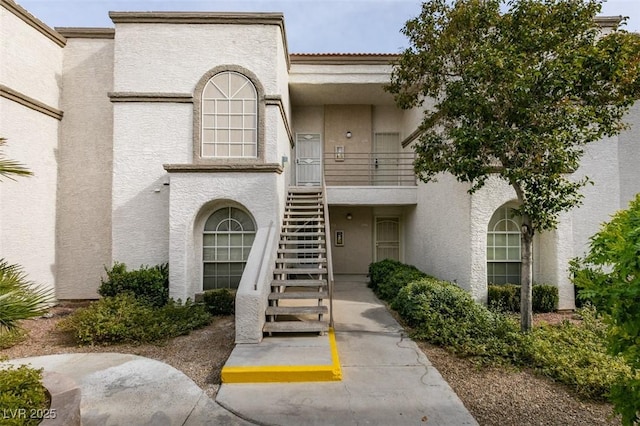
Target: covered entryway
(387,238)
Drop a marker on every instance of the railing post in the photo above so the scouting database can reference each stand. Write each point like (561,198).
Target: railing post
(327,232)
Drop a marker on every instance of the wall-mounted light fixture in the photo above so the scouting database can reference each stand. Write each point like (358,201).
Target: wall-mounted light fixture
(348,135)
(349,216)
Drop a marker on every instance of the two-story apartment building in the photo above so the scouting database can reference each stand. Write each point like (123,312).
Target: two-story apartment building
(197,139)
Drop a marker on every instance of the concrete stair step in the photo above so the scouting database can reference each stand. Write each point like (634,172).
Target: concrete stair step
(315,226)
(296,327)
(299,283)
(313,271)
(297,310)
(315,295)
(318,260)
(302,251)
(302,234)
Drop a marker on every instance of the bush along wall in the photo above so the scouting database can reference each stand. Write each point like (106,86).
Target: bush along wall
(506,297)
(442,313)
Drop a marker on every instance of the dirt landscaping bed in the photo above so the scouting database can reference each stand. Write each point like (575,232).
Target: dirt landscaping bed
(493,396)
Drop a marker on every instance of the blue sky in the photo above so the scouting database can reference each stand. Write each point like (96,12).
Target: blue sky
(313,26)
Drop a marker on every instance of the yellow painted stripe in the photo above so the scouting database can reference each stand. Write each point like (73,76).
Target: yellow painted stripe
(287,373)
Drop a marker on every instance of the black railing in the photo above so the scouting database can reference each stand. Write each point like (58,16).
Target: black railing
(369,169)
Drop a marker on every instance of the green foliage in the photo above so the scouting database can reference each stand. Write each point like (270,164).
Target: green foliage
(21,389)
(504,298)
(520,87)
(577,356)
(610,276)
(10,168)
(9,338)
(19,298)
(444,314)
(149,284)
(126,319)
(545,298)
(220,301)
(380,271)
(507,298)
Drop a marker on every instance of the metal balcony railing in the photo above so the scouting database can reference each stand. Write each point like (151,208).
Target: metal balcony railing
(369,169)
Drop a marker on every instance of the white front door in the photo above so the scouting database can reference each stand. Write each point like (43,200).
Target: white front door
(308,159)
(386,149)
(387,238)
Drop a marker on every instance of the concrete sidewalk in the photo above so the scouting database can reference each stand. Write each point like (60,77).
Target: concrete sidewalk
(121,389)
(387,380)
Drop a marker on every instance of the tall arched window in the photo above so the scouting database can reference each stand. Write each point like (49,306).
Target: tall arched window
(503,246)
(229,117)
(228,235)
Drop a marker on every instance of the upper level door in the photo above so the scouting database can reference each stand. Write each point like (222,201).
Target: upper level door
(308,159)
(386,149)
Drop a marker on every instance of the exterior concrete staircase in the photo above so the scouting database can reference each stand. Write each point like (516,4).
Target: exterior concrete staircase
(299,301)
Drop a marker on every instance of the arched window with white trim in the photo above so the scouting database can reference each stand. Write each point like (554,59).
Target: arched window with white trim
(503,246)
(228,236)
(229,121)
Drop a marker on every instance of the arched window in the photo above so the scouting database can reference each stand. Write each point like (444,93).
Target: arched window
(503,246)
(229,122)
(228,235)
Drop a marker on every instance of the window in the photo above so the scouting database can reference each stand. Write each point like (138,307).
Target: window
(228,235)
(229,122)
(503,247)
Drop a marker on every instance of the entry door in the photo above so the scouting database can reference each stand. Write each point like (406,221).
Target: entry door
(386,148)
(308,159)
(387,238)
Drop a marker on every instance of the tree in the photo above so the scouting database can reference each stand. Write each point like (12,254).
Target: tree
(519,88)
(10,168)
(609,275)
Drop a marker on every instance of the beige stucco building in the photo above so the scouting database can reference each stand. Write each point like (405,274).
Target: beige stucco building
(176,137)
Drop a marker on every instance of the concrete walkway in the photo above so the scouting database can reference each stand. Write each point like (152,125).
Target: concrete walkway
(387,380)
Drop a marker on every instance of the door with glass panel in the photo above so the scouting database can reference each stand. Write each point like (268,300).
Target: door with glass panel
(308,159)
(387,238)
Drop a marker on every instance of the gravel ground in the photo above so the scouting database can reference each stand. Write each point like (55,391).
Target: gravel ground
(493,396)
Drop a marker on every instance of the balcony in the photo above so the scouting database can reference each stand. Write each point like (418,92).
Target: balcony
(369,169)
(370,178)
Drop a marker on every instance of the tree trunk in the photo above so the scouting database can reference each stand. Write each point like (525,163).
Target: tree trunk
(526,275)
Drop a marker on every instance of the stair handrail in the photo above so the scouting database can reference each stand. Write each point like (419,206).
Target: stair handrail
(327,232)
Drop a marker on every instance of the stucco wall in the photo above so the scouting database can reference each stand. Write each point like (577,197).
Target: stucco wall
(194,196)
(629,157)
(176,56)
(438,230)
(145,136)
(357,253)
(85,162)
(600,164)
(31,64)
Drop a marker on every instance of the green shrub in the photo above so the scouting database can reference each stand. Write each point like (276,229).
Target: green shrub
(577,356)
(388,289)
(21,395)
(380,271)
(545,298)
(506,297)
(19,298)
(444,314)
(220,301)
(9,338)
(126,319)
(149,284)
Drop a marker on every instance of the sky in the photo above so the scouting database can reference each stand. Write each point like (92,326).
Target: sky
(312,26)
